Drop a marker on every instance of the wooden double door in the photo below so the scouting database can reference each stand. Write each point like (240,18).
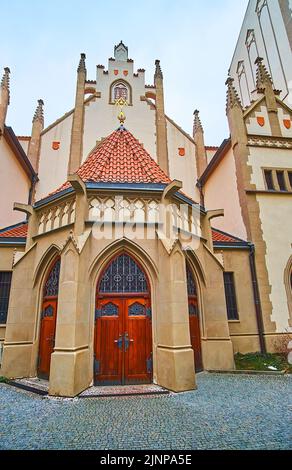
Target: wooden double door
(123,341)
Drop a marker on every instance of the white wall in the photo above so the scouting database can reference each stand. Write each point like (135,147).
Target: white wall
(101,120)
(272,45)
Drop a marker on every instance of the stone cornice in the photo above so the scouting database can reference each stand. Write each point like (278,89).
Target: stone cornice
(269,142)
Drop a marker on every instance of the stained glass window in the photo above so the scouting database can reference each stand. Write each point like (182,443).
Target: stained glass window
(192,289)
(123,276)
(52,284)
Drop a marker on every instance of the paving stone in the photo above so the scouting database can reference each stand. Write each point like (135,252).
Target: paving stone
(226,412)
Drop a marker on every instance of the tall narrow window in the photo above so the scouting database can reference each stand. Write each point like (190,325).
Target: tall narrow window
(231,304)
(269,180)
(281,180)
(5,284)
(290,178)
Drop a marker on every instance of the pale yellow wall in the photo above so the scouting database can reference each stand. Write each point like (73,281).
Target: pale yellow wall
(276,219)
(182,168)
(267,158)
(210,154)
(221,193)
(244,331)
(14,186)
(24,144)
(54,163)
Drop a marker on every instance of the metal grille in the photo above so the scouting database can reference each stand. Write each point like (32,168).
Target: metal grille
(123,276)
(231,304)
(52,285)
(5,284)
(120,91)
(192,289)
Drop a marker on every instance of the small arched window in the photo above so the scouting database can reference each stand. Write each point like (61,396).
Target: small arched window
(120,91)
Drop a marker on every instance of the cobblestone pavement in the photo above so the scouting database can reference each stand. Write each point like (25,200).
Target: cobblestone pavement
(227,412)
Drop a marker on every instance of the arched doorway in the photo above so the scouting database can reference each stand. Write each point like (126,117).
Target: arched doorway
(123,331)
(48,319)
(194,316)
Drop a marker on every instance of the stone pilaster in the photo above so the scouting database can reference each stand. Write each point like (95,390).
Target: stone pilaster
(161,129)
(4,98)
(175,357)
(249,205)
(78,119)
(69,374)
(198,134)
(35,141)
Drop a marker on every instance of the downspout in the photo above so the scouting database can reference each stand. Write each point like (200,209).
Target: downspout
(257,300)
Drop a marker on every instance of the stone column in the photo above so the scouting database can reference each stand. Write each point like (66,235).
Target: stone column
(198,134)
(4,98)
(78,120)
(161,129)
(175,357)
(35,141)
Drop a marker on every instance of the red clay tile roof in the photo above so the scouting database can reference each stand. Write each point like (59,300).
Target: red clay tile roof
(120,158)
(16,231)
(219,236)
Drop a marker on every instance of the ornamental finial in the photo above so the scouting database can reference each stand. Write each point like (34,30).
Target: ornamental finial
(121,102)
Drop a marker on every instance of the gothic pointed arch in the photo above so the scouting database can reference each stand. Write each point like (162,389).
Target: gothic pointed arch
(48,317)
(118,246)
(120,88)
(50,254)
(194,316)
(123,275)
(123,323)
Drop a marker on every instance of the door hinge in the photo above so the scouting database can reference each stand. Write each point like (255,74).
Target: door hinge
(39,362)
(149,312)
(149,364)
(96,366)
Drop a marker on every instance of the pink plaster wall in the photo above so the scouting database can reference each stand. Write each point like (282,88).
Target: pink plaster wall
(14,186)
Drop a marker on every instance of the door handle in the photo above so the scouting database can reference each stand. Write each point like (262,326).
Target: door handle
(119,342)
(127,342)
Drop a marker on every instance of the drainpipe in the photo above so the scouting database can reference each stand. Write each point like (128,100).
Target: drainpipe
(257,300)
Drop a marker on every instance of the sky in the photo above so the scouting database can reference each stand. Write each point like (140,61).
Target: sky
(41,42)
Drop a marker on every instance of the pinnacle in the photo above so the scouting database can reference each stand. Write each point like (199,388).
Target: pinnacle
(232,95)
(197,123)
(158,71)
(82,65)
(39,113)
